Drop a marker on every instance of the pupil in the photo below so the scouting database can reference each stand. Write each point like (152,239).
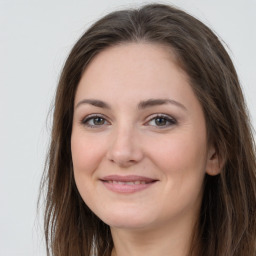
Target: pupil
(98,121)
(160,121)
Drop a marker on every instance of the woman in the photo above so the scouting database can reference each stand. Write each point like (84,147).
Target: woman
(152,151)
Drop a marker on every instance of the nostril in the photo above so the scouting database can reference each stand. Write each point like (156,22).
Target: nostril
(124,149)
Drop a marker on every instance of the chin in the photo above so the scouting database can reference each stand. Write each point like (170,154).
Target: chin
(132,224)
(127,220)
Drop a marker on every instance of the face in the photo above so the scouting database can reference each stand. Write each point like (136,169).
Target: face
(138,143)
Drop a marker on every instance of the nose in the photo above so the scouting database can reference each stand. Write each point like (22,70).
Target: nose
(125,149)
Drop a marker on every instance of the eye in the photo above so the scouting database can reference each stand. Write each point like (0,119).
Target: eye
(94,121)
(161,121)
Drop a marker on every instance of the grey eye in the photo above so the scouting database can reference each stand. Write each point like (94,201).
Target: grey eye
(98,120)
(160,121)
(94,121)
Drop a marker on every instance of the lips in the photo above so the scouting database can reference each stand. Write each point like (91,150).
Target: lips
(127,184)
(137,182)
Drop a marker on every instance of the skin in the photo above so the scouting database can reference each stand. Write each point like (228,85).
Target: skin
(128,139)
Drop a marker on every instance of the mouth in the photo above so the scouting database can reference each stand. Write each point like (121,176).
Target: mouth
(137,182)
(127,184)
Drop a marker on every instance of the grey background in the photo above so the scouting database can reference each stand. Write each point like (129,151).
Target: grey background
(35,38)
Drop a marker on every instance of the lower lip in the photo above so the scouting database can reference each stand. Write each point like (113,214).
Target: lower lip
(126,188)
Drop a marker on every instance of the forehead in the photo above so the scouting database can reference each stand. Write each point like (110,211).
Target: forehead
(139,54)
(132,68)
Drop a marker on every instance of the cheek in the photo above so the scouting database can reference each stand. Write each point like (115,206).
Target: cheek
(182,162)
(86,153)
(180,153)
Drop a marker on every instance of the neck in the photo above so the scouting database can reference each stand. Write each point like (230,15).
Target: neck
(172,240)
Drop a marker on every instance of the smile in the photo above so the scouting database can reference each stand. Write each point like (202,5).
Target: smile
(127,184)
(137,182)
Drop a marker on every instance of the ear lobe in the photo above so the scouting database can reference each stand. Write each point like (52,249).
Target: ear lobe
(214,163)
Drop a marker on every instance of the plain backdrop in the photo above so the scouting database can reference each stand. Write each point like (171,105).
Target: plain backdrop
(35,39)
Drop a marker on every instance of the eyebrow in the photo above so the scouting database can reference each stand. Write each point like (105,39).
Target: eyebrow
(142,105)
(93,102)
(157,102)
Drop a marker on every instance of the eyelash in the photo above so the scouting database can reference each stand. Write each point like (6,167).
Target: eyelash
(170,120)
(85,121)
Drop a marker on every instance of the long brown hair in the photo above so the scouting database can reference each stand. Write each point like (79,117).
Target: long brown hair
(226,225)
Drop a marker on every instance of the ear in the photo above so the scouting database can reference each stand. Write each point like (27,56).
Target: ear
(214,162)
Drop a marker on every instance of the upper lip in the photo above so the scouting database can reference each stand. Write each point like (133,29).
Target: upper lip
(127,178)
